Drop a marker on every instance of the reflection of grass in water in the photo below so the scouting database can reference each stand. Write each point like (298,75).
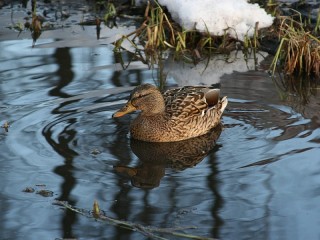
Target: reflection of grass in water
(155,62)
(296,89)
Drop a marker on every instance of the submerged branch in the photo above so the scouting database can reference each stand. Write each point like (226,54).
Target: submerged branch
(148,231)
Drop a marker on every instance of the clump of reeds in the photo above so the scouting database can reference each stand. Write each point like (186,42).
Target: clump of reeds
(155,33)
(299,50)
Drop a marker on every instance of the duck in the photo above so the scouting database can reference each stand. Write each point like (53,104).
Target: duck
(177,114)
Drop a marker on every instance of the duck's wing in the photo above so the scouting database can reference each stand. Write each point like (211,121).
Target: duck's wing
(190,101)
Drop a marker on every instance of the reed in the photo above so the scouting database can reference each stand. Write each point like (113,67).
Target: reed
(317,27)
(299,51)
(111,12)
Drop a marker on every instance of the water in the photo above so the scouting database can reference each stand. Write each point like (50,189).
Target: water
(259,181)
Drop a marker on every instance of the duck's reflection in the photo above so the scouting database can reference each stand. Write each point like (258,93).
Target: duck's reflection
(156,157)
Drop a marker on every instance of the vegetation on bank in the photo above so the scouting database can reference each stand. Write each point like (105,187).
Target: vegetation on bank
(296,50)
(298,43)
(158,32)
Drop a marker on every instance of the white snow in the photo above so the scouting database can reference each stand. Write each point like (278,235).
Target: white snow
(236,17)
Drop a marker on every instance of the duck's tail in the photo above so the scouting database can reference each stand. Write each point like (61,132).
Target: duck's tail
(224,103)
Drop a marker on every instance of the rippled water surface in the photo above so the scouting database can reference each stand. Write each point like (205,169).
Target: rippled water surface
(261,180)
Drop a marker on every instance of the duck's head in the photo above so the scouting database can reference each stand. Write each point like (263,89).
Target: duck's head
(146,98)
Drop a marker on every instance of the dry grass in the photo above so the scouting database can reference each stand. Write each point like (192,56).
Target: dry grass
(155,33)
(317,27)
(298,51)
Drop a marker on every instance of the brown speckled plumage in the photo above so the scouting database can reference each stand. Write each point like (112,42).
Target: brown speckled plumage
(178,114)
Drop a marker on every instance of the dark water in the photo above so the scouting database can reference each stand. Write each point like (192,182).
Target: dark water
(259,178)
(260,181)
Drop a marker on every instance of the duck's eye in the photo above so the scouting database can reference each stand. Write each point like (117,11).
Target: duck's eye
(139,96)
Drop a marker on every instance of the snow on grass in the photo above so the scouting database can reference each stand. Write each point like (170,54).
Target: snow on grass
(236,17)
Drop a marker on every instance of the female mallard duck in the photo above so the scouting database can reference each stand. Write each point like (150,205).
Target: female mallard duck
(178,114)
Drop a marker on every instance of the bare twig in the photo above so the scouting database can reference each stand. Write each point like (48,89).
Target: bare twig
(145,230)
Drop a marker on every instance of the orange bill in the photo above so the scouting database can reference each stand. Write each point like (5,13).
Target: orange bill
(128,108)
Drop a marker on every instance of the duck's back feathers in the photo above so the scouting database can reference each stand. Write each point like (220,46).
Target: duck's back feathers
(190,100)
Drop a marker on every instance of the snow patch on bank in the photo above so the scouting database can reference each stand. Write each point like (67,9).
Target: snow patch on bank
(235,17)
